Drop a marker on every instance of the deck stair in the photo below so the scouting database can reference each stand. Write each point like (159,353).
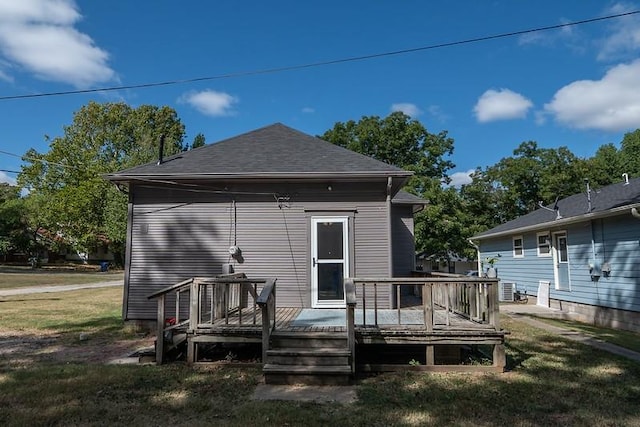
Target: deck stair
(304,357)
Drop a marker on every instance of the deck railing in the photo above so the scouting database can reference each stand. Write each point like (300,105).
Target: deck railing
(267,303)
(472,298)
(198,302)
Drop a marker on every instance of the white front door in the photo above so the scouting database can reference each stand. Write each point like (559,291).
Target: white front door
(329,260)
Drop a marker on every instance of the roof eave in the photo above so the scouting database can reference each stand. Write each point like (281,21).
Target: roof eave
(559,222)
(256,175)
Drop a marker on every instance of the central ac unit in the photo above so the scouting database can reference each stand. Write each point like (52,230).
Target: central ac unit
(507,289)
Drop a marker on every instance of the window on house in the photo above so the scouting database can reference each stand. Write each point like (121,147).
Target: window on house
(518,247)
(544,244)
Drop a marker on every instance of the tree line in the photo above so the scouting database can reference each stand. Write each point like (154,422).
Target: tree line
(65,201)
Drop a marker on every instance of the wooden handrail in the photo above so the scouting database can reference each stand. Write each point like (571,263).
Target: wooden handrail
(218,297)
(267,302)
(224,278)
(267,290)
(475,298)
(351,301)
(168,289)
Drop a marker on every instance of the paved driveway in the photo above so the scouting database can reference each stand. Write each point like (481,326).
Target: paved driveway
(61,288)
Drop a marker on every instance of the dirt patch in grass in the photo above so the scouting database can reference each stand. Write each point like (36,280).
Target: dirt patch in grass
(82,326)
(19,349)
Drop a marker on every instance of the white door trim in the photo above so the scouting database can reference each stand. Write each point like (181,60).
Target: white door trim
(557,261)
(316,302)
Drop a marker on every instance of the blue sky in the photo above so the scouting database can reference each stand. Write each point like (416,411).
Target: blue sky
(577,86)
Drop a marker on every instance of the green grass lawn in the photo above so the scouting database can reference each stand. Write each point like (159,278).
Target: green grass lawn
(20,277)
(627,339)
(551,381)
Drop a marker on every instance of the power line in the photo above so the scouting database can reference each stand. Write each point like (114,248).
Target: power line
(321,63)
(35,159)
(8,171)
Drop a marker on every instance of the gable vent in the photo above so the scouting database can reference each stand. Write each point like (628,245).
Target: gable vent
(506,291)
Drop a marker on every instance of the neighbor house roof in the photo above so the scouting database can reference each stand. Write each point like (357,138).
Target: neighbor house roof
(405,198)
(274,151)
(606,201)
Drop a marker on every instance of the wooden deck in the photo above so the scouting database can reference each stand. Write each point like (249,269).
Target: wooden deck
(238,324)
(449,312)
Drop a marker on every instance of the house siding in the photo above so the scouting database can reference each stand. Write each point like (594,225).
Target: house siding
(177,234)
(613,240)
(403,241)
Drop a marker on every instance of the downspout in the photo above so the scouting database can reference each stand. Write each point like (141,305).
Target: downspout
(389,224)
(127,257)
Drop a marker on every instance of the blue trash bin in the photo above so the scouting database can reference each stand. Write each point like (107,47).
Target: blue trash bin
(104,266)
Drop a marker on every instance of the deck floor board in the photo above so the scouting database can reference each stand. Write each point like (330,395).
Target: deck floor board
(285,317)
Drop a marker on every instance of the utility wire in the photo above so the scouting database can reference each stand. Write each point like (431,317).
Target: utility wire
(35,159)
(8,171)
(321,63)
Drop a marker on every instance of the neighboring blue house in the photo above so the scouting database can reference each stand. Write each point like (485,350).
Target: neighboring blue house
(581,255)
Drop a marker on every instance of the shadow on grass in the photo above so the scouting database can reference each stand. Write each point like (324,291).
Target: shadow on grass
(99,325)
(553,381)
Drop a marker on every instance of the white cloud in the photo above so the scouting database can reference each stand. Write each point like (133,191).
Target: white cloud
(6,178)
(461,178)
(610,104)
(502,104)
(308,110)
(569,36)
(625,35)
(6,77)
(38,36)
(409,109)
(436,112)
(211,103)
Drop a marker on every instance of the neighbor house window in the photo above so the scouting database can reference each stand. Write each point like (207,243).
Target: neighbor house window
(518,247)
(544,244)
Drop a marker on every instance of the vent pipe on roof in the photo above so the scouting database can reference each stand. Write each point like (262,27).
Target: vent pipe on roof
(626,178)
(161,150)
(586,181)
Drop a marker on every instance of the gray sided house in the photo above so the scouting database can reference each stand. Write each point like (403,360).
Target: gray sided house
(581,255)
(273,202)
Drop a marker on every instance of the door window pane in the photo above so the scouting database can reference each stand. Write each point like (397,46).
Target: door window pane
(330,240)
(330,281)
(562,248)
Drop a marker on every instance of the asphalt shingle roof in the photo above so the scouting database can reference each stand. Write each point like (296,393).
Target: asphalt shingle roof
(602,200)
(274,149)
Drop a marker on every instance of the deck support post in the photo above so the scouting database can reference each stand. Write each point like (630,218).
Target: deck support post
(351,301)
(160,331)
(492,304)
(430,356)
(499,356)
(192,350)
(194,303)
(427,304)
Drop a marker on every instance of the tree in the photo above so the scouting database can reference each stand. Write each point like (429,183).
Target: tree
(404,142)
(80,205)
(629,158)
(198,141)
(517,184)
(605,167)
(10,218)
(8,192)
